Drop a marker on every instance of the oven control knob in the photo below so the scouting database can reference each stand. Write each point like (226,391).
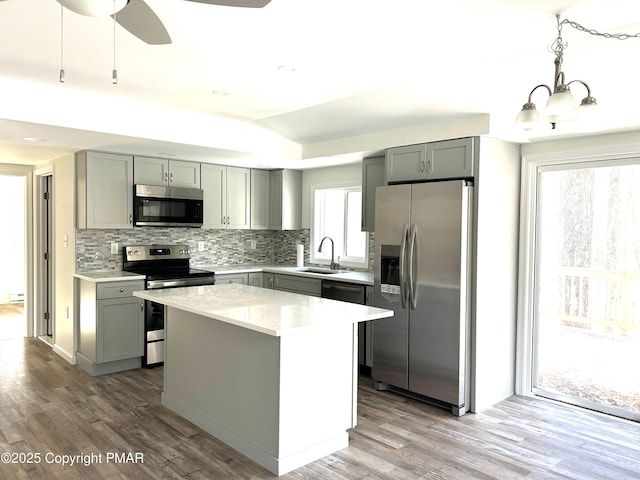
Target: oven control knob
(136,252)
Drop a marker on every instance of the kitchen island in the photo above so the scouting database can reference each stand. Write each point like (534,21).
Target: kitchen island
(272,374)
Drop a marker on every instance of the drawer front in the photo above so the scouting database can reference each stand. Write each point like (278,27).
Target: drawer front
(297,284)
(118,289)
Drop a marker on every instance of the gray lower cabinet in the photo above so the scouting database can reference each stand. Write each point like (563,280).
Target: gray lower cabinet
(111,327)
(297,284)
(223,278)
(268,280)
(256,279)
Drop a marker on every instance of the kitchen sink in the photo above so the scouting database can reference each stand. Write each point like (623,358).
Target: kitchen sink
(324,271)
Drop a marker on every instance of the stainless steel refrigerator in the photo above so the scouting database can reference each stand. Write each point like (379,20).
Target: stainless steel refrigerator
(422,262)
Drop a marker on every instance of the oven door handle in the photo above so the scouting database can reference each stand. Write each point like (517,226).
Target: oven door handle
(182,282)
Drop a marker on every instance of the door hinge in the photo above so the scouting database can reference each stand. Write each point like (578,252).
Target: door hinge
(46,315)
(46,255)
(46,195)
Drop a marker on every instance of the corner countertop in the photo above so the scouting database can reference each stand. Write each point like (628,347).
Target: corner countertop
(110,276)
(263,310)
(364,278)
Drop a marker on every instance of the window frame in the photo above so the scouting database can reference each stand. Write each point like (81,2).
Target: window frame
(352,262)
(532,164)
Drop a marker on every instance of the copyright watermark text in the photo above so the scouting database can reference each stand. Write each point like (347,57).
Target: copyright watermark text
(77,459)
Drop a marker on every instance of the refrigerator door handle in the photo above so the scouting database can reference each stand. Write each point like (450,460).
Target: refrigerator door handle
(413,288)
(404,294)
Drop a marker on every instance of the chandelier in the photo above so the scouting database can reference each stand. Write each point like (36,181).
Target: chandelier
(561,104)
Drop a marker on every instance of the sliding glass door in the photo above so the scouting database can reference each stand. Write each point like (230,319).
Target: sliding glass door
(586,286)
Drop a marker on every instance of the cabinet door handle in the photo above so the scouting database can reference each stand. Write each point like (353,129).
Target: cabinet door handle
(142,306)
(422,166)
(166,177)
(171,178)
(130,218)
(228,220)
(121,290)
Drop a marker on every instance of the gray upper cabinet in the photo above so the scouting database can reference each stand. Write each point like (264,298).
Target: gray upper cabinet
(104,190)
(431,161)
(286,199)
(407,163)
(163,172)
(373,169)
(227,192)
(450,158)
(260,208)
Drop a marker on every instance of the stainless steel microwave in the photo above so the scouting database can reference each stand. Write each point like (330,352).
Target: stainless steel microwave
(157,206)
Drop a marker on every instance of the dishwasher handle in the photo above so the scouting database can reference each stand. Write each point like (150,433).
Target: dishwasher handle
(341,288)
(343,292)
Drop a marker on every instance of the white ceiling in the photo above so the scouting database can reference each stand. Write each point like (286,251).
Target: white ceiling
(368,74)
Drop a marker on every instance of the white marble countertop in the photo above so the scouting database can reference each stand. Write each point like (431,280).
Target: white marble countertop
(364,278)
(110,276)
(264,310)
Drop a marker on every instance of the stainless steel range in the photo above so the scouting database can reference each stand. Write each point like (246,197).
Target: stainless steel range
(165,266)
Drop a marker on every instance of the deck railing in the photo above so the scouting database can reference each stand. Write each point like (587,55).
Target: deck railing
(600,299)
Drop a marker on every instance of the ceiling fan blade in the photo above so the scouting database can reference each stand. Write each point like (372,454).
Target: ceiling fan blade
(139,20)
(235,3)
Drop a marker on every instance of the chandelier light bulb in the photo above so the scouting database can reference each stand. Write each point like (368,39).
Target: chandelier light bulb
(528,118)
(561,107)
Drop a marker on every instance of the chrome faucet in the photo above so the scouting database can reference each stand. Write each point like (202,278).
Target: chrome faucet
(334,265)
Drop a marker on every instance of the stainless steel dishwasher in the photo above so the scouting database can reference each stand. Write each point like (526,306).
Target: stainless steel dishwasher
(345,292)
(353,293)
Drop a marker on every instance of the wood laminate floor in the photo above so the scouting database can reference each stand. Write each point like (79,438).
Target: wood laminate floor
(51,408)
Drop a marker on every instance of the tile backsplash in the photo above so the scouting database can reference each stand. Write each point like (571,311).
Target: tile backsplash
(222,247)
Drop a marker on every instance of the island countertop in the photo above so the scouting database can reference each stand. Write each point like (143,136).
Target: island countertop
(271,312)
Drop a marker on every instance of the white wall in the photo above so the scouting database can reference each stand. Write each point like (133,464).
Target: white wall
(316,177)
(12,238)
(497,213)
(64,248)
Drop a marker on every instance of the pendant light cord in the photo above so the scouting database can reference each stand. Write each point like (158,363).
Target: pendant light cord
(61,44)
(114,73)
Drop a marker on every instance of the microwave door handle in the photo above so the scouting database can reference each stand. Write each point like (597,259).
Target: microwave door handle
(403,264)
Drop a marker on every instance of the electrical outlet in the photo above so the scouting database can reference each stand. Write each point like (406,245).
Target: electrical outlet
(201,246)
(114,248)
(254,244)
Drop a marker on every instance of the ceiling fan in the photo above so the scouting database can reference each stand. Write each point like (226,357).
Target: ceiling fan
(137,18)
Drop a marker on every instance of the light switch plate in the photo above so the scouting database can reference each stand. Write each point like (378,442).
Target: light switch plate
(114,248)
(201,246)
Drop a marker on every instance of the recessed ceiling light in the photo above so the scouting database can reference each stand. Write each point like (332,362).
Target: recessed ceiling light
(34,139)
(286,68)
(219,93)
